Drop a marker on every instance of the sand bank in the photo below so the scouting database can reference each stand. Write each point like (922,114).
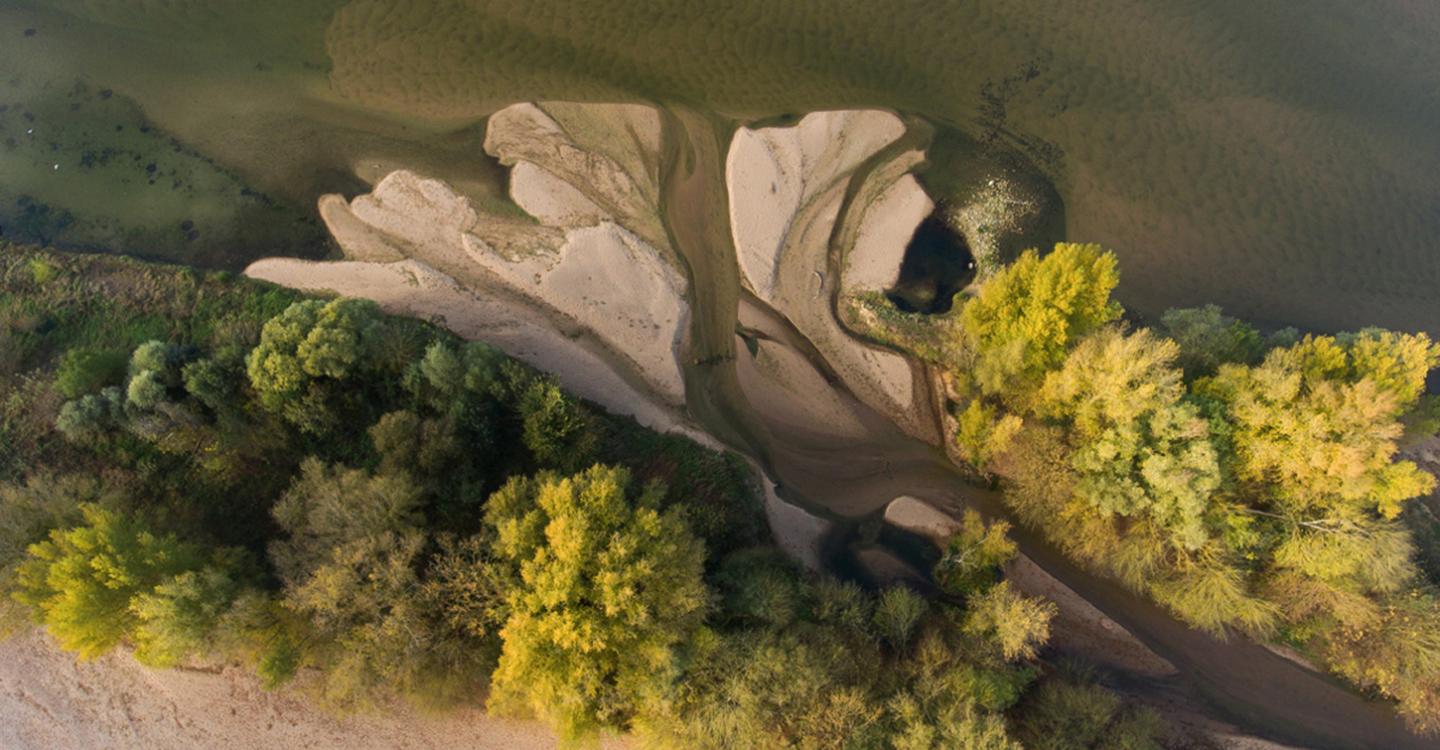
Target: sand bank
(786,189)
(575,278)
(49,702)
(888,223)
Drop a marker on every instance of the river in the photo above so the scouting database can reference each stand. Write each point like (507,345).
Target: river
(1271,157)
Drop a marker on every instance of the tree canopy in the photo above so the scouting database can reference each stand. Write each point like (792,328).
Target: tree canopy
(611,589)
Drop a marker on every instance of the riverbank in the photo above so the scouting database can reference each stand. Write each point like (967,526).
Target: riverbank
(49,700)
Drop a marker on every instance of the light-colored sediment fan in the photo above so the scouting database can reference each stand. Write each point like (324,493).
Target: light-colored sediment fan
(583,281)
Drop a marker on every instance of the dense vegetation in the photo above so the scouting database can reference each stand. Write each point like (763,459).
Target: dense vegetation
(212,470)
(1247,482)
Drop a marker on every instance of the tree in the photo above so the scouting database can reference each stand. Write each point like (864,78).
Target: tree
(28,513)
(351,567)
(758,586)
(80,583)
(178,618)
(557,430)
(329,506)
(1139,449)
(211,381)
(799,688)
(309,346)
(1073,715)
(407,443)
(1024,318)
(1208,338)
(1019,625)
(610,589)
(950,695)
(91,415)
(973,558)
(1315,425)
(982,433)
(898,612)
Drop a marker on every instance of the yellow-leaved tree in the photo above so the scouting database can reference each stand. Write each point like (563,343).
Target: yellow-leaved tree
(608,588)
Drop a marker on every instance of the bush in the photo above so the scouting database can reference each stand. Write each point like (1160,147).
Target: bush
(973,558)
(81,582)
(898,612)
(85,371)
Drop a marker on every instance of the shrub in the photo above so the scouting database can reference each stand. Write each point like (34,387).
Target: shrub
(81,582)
(85,371)
(973,558)
(898,612)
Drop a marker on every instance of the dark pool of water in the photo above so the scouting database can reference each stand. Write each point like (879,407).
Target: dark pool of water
(937,265)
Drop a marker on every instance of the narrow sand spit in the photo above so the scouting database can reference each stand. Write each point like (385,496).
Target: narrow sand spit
(51,702)
(786,189)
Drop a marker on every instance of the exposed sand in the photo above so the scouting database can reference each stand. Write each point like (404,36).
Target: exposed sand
(51,702)
(786,188)
(582,264)
(606,152)
(916,516)
(796,531)
(873,263)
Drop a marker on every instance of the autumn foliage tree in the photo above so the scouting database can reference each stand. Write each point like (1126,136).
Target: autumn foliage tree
(609,589)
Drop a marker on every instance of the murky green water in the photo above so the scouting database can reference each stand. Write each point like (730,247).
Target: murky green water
(1281,159)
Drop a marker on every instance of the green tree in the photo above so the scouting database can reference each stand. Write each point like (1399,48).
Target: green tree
(801,688)
(1019,625)
(898,611)
(982,432)
(81,582)
(1315,425)
(212,382)
(1074,715)
(1208,338)
(28,513)
(351,565)
(610,589)
(558,432)
(406,442)
(973,557)
(309,346)
(91,415)
(1023,320)
(179,617)
(759,586)
(329,506)
(1139,449)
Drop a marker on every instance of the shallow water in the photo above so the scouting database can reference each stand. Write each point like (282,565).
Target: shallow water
(1278,158)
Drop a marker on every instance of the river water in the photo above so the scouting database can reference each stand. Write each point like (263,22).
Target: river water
(1280,159)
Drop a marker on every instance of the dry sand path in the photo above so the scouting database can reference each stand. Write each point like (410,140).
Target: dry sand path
(51,702)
